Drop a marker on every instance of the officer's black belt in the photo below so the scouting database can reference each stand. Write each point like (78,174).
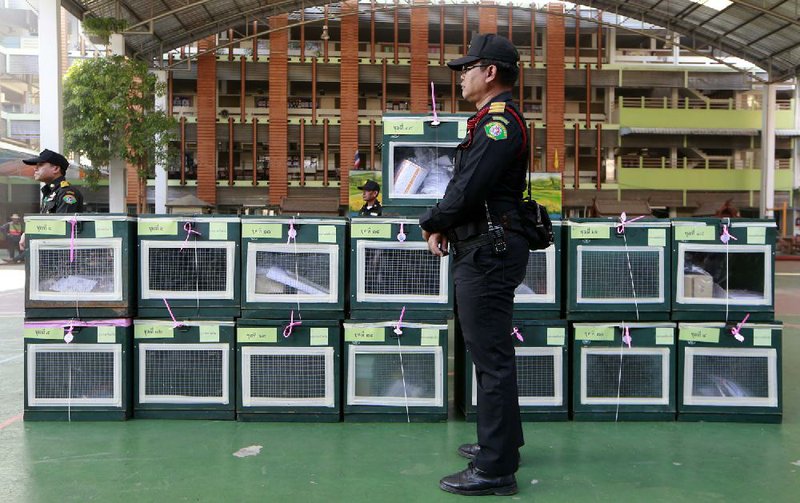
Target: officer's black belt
(465,245)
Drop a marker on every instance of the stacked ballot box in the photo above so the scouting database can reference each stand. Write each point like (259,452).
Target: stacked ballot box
(293,264)
(80,266)
(542,362)
(618,271)
(77,369)
(395,371)
(418,160)
(729,373)
(184,370)
(540,293)
(288,373)
(188,266)
(393,274)
(724,269)
(623,371)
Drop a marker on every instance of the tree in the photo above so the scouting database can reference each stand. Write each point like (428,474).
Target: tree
(109,113)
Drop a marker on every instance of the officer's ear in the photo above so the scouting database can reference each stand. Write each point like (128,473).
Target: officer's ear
(491,73)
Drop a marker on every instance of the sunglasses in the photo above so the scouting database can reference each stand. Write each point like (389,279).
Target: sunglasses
(465,69)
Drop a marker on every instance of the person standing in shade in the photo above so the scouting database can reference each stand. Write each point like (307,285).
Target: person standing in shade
(58,195)
(478,218)
(12,230)
(371,208)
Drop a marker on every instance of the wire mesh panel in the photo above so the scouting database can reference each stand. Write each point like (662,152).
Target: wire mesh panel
(625,376)
(539,283)
(539,377)
(716,274)
(287,377)
(730,376)
(292,273)
(78,375)
(183,373)
(608,274)
(386,375)
(91,270)
(394,271)
(176,270)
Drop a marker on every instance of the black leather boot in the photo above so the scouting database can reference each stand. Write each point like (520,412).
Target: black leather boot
(474,482)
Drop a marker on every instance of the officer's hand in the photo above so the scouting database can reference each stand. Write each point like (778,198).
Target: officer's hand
(425,234)
(437,244)
(22,242)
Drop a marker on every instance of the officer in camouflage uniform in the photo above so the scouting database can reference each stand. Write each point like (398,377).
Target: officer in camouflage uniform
(489,260)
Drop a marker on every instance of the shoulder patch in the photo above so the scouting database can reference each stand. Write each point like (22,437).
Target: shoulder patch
(497,107)
(64,183)
(496,131)
(500,118)
(69,199)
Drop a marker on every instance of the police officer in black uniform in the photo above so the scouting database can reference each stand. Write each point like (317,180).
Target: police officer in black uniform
(478,218)
(371,208)
(58,195)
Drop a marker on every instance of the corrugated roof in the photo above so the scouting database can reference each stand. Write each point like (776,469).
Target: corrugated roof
(764,32)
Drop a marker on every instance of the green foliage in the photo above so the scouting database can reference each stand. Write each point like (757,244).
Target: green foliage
(109,113)
(102,27)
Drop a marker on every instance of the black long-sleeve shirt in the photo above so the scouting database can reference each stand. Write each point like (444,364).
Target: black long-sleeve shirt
(490,166)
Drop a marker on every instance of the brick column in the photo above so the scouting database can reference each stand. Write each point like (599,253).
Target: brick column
(420,84)
(554,92)
(207,122)
(348,108)
(487,17)
(278,109)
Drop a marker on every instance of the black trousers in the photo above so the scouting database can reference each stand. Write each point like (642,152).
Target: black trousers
(484,295)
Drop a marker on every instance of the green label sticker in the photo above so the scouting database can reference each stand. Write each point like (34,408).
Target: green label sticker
(762,337)
(590,232)
(157,227)
(103,229)
(368,334)
(403,127)
(594,333)
(665,336)
(255,335)
(319,336)
(209,333)
(43,333)
(756,235)
(48,227)
(429,337)
(106,335)
(326,233)
(218,231)
(656,237)
(153,332)
(462,129)
(556,336)
(695,233)
(383,231)
(699,334)
(268,231)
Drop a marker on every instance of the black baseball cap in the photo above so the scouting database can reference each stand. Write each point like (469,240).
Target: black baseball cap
(487,46)
(370,185)
(49,156)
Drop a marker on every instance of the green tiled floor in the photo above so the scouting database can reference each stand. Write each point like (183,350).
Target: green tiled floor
(574,462)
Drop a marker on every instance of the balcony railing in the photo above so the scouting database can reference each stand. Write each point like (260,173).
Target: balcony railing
(697,104)
(694,163)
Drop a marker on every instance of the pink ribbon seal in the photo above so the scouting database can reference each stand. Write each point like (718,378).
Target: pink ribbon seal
(189,231)
(623,221)
(175,323)
(397,329)
(287,331)
(626,336)
(726,236)
(68,337)
(292,232)
(401,236)
(517,334)
(735,330)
